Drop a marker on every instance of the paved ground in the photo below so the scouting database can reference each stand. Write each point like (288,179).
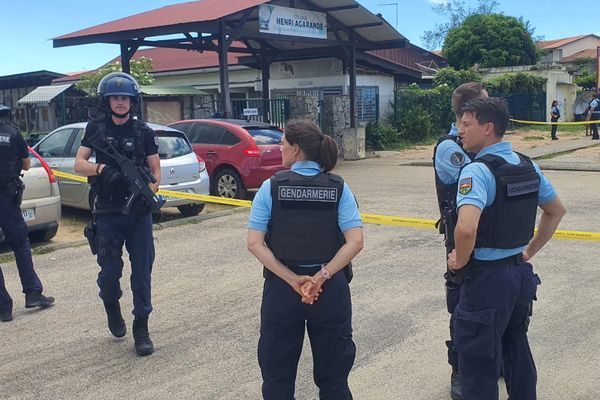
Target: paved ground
(207,291)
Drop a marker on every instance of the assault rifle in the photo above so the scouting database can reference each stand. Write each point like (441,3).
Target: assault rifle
(448,224)
(136,178)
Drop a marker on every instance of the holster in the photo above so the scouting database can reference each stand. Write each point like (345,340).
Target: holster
(20,188)
(90,233)
(459,277)
(14,190)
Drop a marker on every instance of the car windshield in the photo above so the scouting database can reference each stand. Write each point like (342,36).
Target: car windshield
(172,144)
(265,135)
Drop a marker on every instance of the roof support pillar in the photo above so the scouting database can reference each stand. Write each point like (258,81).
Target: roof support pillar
(352,72)
(224,71)
(125,58)
(265,67)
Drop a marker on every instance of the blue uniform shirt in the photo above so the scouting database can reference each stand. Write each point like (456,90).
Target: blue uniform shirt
(450,158)
(260,215)
(483,191)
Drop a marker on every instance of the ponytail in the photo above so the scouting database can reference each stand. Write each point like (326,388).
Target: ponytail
(317,147)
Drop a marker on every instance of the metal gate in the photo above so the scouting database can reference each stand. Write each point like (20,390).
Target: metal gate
(278,110)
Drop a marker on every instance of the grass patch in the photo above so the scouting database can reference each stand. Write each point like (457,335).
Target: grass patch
(547,128)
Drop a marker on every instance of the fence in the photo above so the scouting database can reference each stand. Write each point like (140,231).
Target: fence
(278,110)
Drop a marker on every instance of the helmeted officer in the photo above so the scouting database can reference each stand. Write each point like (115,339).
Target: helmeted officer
(497,200)
(119,93)
(305,229)
(448,159)
(14,157)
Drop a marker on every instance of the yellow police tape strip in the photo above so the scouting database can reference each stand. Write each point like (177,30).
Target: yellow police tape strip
(367,218)
(520,121)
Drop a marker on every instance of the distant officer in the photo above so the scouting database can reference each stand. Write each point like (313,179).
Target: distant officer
(119,93)
(498,195)
(305,228)
(594,114)
(14,157)
(449,157)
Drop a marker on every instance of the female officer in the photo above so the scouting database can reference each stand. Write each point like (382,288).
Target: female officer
(305,228)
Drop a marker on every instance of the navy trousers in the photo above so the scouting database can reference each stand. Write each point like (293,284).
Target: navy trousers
(112,231)
(329,325)
(452,296)
(16,235)
(490,331)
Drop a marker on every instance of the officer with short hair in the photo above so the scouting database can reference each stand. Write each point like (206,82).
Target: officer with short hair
(119,94)
(448,159)
(305,229)
(14,157)
(497,200)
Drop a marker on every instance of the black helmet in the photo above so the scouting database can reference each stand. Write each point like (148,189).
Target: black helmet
(119,84)
(5,111)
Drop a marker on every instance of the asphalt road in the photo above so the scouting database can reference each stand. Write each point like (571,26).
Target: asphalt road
(207,290)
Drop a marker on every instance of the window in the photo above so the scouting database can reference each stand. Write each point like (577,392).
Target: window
(76,143)
(367,103)
(171,145)
(229,139)
(54,145)
(205,133)
(265,135)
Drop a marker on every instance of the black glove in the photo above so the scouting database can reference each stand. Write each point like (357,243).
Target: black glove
(111,176)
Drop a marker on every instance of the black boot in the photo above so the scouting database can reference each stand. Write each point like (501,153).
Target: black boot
(455,390)
(116,325)
(143,344)
(6,315)
(37,299)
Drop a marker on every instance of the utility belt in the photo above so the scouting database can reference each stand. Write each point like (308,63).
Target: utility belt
(467,273)
(347,270)
(13,189)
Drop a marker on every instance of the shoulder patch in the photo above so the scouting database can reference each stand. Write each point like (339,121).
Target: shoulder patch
(457,159)
(465,185)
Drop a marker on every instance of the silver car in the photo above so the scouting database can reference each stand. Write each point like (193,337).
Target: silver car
(181,169)
(41,200)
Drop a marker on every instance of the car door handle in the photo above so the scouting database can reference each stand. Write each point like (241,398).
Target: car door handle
(53,165)
(211,153)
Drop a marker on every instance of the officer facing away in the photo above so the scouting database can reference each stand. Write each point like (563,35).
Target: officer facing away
(119,93)
(305,229)
(14,157)
(498,195)
(448,159)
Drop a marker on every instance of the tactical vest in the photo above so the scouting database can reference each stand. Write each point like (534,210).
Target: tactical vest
(446,193)
(509,221)
(304,226)
(10,162)
(129,144)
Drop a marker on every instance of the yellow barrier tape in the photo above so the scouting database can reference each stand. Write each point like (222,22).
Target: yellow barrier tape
(366,218)
(520,121)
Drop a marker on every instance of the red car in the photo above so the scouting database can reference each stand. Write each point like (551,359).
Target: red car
(239,155)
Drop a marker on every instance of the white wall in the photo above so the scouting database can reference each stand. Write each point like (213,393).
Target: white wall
(386,90)
(585,43)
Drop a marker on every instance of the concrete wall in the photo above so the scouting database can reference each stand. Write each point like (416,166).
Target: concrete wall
(559,86)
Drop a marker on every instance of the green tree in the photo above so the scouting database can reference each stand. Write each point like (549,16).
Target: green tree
(455,12)
(141,70)
(453,78)
(492,40)
(586,81)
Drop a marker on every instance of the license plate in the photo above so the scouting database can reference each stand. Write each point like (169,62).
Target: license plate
(28,214)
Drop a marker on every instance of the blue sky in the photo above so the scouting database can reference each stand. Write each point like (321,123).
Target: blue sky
(26,44)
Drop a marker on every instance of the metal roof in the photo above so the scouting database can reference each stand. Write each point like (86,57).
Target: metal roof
(171,91)
(344,18)
(43,94)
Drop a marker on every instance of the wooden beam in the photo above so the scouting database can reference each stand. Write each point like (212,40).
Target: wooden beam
(340,8)
(369,25)
(224,71)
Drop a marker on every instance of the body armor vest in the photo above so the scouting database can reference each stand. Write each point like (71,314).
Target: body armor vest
(129,142)
(304,226)
(446,193)
(509,221)
(10,163)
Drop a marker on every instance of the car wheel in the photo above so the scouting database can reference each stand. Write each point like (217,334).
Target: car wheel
(227,183)
(44,235)
(189,210)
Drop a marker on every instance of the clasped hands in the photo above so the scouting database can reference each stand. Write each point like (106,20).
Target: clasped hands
(309,287)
